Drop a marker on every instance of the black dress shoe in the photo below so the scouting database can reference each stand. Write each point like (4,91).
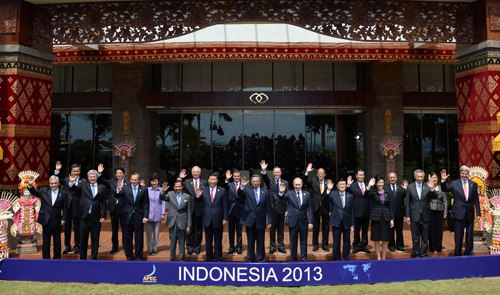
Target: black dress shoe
(365,249)
(76,250)
(355,250)
(231,251)
(401,249)
(112,252)
(67,249)
(239,251)
(326,248)
(392,249)
(315,248)
(282,250)
(272,250)
(197,251)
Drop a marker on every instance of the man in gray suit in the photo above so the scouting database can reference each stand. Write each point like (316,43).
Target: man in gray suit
(179,222)
(418,199)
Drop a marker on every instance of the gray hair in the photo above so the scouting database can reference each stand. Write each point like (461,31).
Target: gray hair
(196,168)
(54,177)
(93,171)
(418,171)
(464,168)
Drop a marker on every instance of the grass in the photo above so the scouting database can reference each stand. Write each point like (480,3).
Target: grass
(463,286)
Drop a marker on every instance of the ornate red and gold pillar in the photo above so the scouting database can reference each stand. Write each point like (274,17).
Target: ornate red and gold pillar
(478,93)
(25,97)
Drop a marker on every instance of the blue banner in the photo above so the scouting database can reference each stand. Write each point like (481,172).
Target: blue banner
(249,274)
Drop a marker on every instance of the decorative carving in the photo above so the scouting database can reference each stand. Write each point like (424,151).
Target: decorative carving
(147,21)
(494,15)
(8,20)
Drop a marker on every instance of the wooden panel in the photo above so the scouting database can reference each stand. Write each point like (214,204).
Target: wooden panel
(430,99)
(17,23)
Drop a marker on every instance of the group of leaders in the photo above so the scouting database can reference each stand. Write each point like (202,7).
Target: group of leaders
(195,205)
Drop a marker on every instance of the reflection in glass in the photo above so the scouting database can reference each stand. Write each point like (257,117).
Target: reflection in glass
(227,130)
(287,76)
(85,78)
(257,76)
(258,130)
(197,76)
(318,76)
(196,138)
(227,76)
(434,142)
(168,143)
(321,139)
(290,142)
(412,145)
(350,148)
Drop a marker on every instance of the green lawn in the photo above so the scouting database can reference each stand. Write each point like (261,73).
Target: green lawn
(464,286)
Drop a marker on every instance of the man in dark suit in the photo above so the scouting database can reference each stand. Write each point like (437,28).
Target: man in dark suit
(191,187)
(135,205)
(299,217)
(466,197)
(279,207)
(317,186)
(418,198)
(234,213)
(179,222)
(112,203)
(360,190)
(342,217)
(51,215)
(72,209)
(92,206)
(397,194)
(215,208)
(256,206)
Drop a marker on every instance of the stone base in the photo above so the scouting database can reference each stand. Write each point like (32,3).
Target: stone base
(26,247)
(4,253)
(479,242)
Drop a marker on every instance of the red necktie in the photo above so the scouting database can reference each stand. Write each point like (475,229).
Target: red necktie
(236,186)
(212,195)
(466,191)
(362,186)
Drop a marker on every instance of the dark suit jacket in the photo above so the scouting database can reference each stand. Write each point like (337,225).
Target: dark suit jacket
(415,206)
(112,202)
(314,185)
(198,202)
(253,213)
(279,205)
(381,209)
(178,216)
(463,208)
(298,214)
(397,200)
(235,203)
(71,197)
(217,211)
(139,209)
(50,215)
(83,192)
(361,201)
(339,213)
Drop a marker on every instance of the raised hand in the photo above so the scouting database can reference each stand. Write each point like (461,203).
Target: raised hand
(371,183)
(392,223)
(329,184)
(100,168)
(58,165)
(263,165)
(228,174)
(309,167)
(430,183)
(164,187)
(183,174)
(349,180)
(282,187)
(72,178)
(244,181)
(444,175)
(405,184)
(199,192)
(119,185)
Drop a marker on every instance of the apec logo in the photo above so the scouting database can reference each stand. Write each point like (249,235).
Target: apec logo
(150,278)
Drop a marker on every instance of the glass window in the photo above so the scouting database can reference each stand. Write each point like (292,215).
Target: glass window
(197,76)
(449,78)
(345,76)
(196,140)
(168,143)
(431,78)
(227,76)
(258,130)
(350,139)
(434,142)
(257,76)
(105,74)
(318,76)
(321,138)
(227,131)
(171,77)
(412,145)
(410,72)
(287,76)
(63,79)
(290,142)
(85,79)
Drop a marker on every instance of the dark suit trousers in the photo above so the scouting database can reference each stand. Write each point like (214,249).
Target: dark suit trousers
(436,231)
(196,234)
(89,225)
(50,231)
(324,225)
(278,224)
(346,244)
(234,226)
(397,230)
(213,235)
(72,218)
(115,224)
(294,235)
(419,236)
(458,227)
(255,236)
(134,230)
(177,234)
(362,224)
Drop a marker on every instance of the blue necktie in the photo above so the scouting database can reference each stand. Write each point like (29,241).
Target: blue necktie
(93,191)
(179,200)
(256,192)
(135,193)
